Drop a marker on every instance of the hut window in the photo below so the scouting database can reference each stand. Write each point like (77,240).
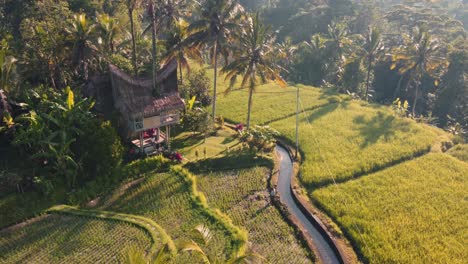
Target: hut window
(139,124)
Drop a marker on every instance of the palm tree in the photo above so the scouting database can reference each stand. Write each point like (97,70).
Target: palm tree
(288,49)
(163,13)
(80,31)
(109,29)
(338,44)
(255,60)
(181,52)
(218,24)
(417,58)
(372,47)
(131,5)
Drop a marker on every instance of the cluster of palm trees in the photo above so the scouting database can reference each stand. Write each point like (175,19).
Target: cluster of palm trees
(223,29)
(416,55)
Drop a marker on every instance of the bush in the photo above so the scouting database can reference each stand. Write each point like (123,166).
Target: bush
(197,120)
(100,150)
(260,138)
(136,168)
(198,84)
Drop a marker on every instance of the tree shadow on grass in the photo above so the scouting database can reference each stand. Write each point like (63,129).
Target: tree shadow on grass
(323,111)
(234,160)
(381,126)
(228,140)
(187,141)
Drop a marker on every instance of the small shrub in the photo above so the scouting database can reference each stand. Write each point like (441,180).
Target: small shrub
(198,85)
(259,138)
(136,168)
(197,120)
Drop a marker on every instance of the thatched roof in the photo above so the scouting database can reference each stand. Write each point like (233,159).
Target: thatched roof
(134,96)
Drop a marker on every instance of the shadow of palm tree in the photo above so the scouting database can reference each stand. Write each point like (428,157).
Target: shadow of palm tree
(381,126)
(323,111)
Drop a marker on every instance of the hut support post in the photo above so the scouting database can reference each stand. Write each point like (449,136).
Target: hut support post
(141,142)
(168,137)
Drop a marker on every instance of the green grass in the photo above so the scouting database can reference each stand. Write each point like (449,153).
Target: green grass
(271,102)
(411,213)
(69,239)
(407,211)
(188,144)
(166,199)
(460,152)
(344,138)
(243,196)
(158,235)
(349,139)
(17,207)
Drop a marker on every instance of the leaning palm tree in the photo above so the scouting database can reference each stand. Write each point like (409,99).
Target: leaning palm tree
(418,57)
(218,24)
(181,52)
(373,46)
(254,61)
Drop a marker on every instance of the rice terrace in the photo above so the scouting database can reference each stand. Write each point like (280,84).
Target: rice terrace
(233,131)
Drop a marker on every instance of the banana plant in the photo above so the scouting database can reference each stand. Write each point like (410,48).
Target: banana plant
(7,68)
(202,236)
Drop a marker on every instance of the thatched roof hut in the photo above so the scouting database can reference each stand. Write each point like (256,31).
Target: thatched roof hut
(133,97)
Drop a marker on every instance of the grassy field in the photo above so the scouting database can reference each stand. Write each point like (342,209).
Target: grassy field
(409,205)
(65,239)
(353,137)
(349,139)
(411,213)
(166,199)
(188,144)
(460,152)
(270,102)
(242,194)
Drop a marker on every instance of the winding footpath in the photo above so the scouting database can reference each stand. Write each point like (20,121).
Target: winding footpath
(325,252)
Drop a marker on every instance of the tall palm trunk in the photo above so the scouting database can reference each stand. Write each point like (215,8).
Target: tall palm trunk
(132,30)
(416,95)
(398,88)
(249,109)
(369,67)
(153,40)
(215,49)
(180,73)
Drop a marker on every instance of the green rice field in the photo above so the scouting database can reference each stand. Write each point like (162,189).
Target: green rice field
(243,195)
(414,212)
(66,239)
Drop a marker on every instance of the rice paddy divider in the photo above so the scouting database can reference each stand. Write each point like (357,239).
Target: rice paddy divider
(155,231)
(239,236)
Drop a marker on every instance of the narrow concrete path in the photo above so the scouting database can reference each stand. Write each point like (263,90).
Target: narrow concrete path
(326,253)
